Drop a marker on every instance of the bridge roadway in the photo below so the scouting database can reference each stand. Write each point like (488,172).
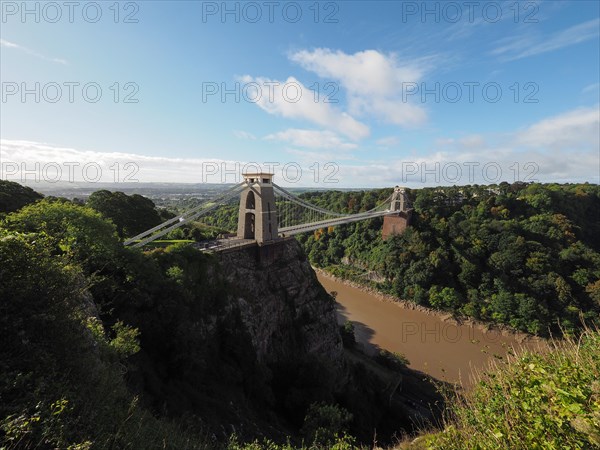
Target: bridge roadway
(303,228)
(221,245)
(235,243)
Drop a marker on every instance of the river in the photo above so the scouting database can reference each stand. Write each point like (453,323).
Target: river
(437,347)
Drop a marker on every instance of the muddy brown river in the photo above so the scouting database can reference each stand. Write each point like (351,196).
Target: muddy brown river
(435,346)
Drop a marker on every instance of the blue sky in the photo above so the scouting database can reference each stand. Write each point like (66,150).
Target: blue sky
(531,68)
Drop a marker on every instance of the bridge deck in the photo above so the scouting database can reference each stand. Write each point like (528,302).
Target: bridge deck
(235,243)
(303,228)
(220,245)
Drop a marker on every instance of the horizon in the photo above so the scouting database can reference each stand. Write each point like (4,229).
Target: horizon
(50,188)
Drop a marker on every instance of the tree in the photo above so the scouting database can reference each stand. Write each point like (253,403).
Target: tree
(446,298)
(347,333)
(14,196)
(593,289)
(325,423)
(46,355)
(76,231)
(130,214)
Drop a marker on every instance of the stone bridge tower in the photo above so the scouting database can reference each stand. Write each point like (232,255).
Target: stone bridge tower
(400,214)
(258,214)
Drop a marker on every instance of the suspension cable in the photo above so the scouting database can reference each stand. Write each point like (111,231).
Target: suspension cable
(189,215)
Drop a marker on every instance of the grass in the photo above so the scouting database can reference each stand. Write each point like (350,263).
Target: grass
(531,401)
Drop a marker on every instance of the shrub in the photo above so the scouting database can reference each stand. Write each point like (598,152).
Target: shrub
(391,360)
(347,332)
(324,424)
(534,401)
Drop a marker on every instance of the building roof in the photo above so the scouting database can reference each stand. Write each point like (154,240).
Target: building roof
(258,175)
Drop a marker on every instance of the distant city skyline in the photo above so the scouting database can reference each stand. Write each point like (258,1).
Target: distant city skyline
(333,94)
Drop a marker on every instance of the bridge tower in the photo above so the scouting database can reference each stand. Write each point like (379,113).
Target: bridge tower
(258,214)
(400,214)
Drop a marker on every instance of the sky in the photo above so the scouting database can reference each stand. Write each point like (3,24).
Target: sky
(329,94)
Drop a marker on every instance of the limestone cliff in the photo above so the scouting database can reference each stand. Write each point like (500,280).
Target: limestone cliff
(285,310)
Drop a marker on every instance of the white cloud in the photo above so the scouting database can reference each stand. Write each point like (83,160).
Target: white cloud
(366,72)
(316,160)
(30,161)
(373,80)
(311,139)
(7,44)
(442,142)
(291,99)
(562,148)
(240,134)
(517,47)
(578,129)
(473,141)
(486,167)
(388,141)
(391,110)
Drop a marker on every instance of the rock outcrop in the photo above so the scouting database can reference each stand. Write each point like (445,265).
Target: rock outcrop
(287,313)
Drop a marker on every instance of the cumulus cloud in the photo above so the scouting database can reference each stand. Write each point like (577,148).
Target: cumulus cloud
(240,134)
(31,162)
(314,139)
(578,129)
(388,141)
(291,99)
(392,110)
(473,141)
(34,161)
(492,165)
(562,148)
(373,81)
(366,72)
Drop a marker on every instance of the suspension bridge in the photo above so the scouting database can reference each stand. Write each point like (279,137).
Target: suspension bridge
(269,213)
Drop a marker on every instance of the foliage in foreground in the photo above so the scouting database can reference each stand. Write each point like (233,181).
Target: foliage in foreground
(343,443)
(534,401)
(61,368)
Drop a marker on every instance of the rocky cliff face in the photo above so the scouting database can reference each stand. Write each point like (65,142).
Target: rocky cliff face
(245,341)
(285,310)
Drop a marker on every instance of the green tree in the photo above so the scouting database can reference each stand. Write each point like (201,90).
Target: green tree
(130,214)
(76,231)
(445,298)
(14,196)
(325,423)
